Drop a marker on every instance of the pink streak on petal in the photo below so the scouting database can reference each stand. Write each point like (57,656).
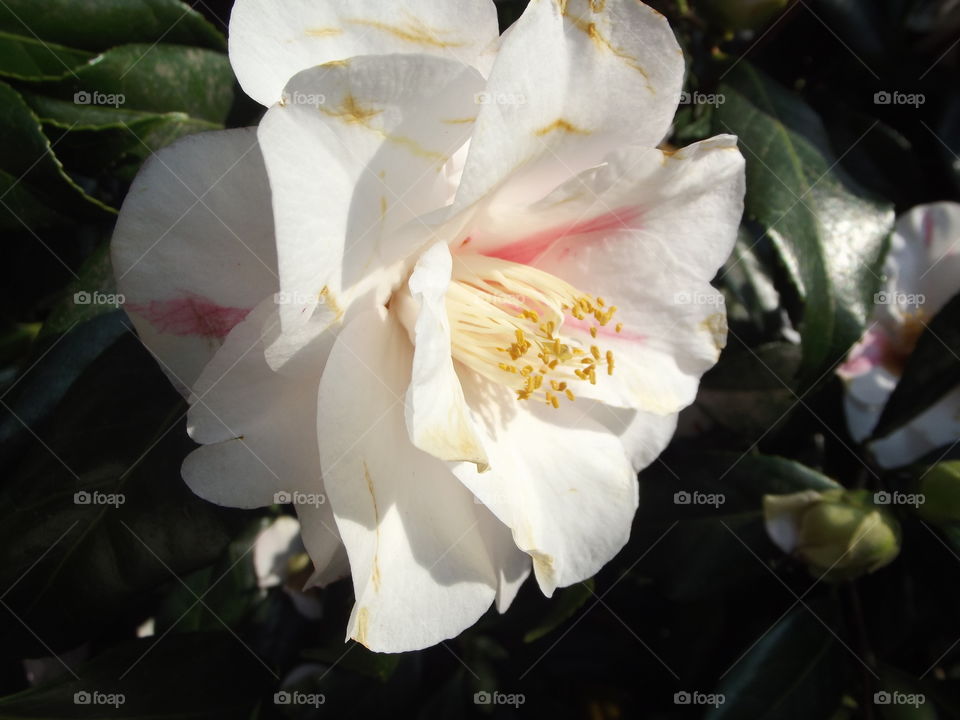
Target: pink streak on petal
(526,250)
(866,354)
(190,316)
(928,229)
(608,331)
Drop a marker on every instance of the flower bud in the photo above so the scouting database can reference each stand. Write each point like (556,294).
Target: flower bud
(740,14)
(840,534)
(940,488)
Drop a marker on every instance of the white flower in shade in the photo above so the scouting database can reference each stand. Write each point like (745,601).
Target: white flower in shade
(922,272)
(455,289)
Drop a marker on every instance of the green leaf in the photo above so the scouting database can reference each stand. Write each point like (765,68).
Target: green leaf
(932,370)
(191,675)
(92,293)
(28,162)
(26,58)
(99,24)
(562,608)
(118,431)
(714,501)
(829,234)
(155,79)
(794,672)
(355,658)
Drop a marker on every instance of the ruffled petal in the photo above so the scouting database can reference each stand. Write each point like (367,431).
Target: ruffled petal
(193,250)
(273,40)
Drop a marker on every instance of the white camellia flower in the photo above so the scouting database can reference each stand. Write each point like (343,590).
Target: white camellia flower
(449,283)
(922,272)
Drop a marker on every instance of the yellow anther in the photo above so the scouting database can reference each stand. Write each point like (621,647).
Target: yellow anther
(595,351)
(570,396)
(600,302)
(619,327)
(593,331)
(609,362)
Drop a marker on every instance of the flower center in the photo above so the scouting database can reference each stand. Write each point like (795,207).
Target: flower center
(507,323)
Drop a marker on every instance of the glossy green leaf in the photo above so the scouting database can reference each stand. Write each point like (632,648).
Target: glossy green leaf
(28,160)
(191,675)
(117,435)
(829,234)
(27,58)
(714,500)
(563,607)
(932,370)
(153,78)
(99,24)
(794,672)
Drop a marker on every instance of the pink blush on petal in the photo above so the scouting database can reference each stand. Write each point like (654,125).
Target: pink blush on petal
(526,250)
(867,354)
(190,316)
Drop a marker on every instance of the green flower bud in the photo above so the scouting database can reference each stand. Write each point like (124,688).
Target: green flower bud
(839,534)
(941,489)
(740,14)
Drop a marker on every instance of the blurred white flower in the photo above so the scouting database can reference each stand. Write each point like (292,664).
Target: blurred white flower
(432,300)
(922,272)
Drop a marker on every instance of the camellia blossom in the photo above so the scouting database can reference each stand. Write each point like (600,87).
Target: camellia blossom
(447,299)
(922,272)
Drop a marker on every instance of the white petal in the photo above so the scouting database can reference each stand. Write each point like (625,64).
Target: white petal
(273,548)
(573,80)
(349,170)
(322,542)
(272,40)
(422,571)
(193,250)
(924,256)
(558,478)
(437,415)
(937,427)
(257,427)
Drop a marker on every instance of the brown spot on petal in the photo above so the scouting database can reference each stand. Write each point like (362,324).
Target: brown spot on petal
(413,31)
(375,572)
(716,325)
(363,621)
(324,32)
(352,112)
(560,125)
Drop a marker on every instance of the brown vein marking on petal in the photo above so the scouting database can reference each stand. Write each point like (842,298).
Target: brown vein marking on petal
(716,325)
(561,125)
(598,5)
(352,112)
(413,31)
(383,207)
(330,300)
(460,121)
(375,574)
(324,32)
(363,620)
(604,43)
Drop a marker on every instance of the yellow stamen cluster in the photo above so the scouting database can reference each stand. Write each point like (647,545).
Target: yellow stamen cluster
(507,322)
